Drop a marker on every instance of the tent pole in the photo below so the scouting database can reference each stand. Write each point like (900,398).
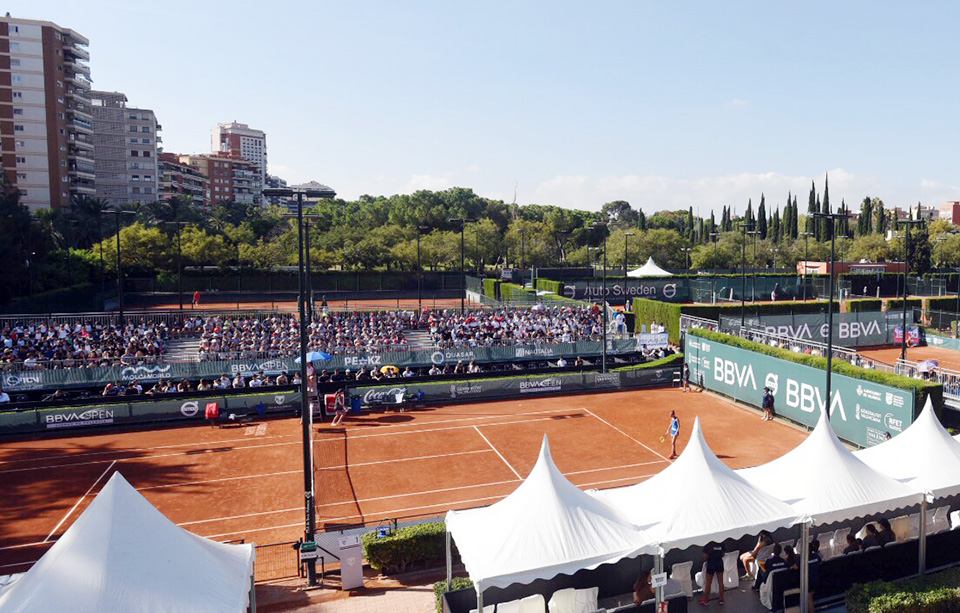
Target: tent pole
(479,599)
(657,569)
(253,595)
(449,563)
(805,568)
(923,537)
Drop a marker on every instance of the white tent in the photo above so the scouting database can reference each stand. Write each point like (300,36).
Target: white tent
(698,499)
(824,480)
(923,456)
(546,527)
(650,269)
(122,554)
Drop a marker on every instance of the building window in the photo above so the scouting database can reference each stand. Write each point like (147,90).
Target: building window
(134,177)
(147,190)
(17,128)
(15,61)
(147,178)
(134,154)
(21,143)
(21,160)
(23,192)
(135,190)
(145,129)
(133,141)
(17,79)
(134,165)
(133,128)
(133,116)
(145,141)
(17,95)
(14,47)
(18,111)
(22,176)
(146,154)
(59,99)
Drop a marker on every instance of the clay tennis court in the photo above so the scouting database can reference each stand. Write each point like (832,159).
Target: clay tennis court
(948,358)
(246,482)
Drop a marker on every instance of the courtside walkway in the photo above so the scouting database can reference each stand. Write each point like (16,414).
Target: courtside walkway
(410,599)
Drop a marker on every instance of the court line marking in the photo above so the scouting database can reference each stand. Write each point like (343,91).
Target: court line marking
(77,504)
(588,411)
(499,455)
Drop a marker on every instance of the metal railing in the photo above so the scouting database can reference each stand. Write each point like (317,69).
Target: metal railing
(277,561)
(950,379)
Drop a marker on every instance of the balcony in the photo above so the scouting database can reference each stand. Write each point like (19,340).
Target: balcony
(81,125)
(79,81)
(79,110)
(82,171)
(82,186)
(76,48)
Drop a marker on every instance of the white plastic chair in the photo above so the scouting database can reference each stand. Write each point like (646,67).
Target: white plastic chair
(533,604)
(954,520)
(914,526)
(840,541)
(940,520)
(680,573)
(702,578)
(901,527)
(731,576)
(826,545)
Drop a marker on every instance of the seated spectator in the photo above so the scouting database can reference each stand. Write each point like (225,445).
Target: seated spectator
(813,563)
(458,369)
(362,374)
(238,382)
(203,386)
(297,380)
(376,375)
(255,381)
(790,557)
(434,370)
(578,362)
(110,390)
(5,397)
(772,563)
(886,534)
(407,373)
(324,376)
(269,381)
(872,539)
(134,389)
(283,379)
(446,370)
(57,396)
(642,589)
(224,382)
(853,544)
(184,386)
(473,368)
(561,363)
(749,559)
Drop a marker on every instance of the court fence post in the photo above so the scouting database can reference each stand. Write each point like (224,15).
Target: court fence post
(449,563)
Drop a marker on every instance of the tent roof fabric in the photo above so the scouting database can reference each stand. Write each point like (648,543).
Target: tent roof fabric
(824,480)
(697,499)
(122,554)
(546,527)
(650,269)
(923,456)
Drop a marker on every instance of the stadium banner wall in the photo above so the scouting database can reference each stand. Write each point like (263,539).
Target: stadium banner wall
(89,377)
(684,289)
(62,418)
(861,329)
(944,342)
(514,387)
(862,412)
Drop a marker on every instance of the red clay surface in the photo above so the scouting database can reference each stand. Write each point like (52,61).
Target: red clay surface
(246,482)
(208,304)
(948,358)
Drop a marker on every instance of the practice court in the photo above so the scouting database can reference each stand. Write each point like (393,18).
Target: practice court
(247,482)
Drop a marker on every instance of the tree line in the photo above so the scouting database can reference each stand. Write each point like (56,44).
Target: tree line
(50,249)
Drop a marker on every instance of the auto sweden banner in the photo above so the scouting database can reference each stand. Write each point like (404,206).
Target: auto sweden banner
(863,329)
(862,412)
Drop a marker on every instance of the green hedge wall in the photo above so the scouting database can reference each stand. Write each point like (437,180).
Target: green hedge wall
(490,288)
(675,359)
(421,544)
(896,304)
(456,583)
(943,304)
(512,291)
(646,311)
(922,388)
(937,593)
(547,285)
(866,304)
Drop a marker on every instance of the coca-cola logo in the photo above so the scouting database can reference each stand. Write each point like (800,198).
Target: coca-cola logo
(380,394)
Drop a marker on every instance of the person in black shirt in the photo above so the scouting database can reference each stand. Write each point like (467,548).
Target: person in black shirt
(853,544)
(769,565)
(872,539)
(886,534)
(713,554)
(814,565)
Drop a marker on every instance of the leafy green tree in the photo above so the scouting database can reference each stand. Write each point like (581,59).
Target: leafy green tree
(870,247)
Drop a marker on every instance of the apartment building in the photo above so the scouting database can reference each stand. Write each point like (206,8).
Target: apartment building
(46,126)
(239,140)
(951,212)
(179,180)
(231,178)
(125,150)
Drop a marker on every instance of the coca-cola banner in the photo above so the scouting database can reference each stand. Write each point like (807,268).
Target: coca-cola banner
(512,387)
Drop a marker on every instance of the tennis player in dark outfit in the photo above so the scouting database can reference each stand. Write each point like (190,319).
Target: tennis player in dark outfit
(713,554)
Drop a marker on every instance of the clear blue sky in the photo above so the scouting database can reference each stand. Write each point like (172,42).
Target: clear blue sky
(663,104)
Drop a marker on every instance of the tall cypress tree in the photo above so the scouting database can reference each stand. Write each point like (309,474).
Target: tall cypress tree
(748,216)
(825,208)
(762,217)
(813,207)
(795,221)
(691,229)
(712,228)
(641,220)
(785,226)
(776,226)
(881,226)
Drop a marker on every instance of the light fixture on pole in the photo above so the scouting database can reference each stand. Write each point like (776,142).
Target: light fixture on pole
(117,212)
(306,409)
(626,243)
(603,300)
(463,272)
(179,224)
(744,224)
(806,258)
(906,271)
(420,231)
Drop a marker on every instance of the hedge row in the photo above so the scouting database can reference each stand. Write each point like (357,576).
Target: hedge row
(512,291)
(919,387)
(547,285)
(646,311)
(675,359)
(421,544)
(490,288)
(456,583)
(936,593)
(896,304)
(943,304)
(866,304)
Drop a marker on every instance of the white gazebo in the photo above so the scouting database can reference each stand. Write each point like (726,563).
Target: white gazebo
(122,554)
(650,269)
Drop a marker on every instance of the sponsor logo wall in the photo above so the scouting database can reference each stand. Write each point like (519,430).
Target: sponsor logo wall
(862,412)
(89,377)
(59,418)
(862,329)
(439,392)
(943,342)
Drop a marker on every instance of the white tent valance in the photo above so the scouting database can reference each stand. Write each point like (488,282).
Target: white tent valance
(824,480)
(924,456)
(122,554)
(697,499)
(546,527)
(650,269)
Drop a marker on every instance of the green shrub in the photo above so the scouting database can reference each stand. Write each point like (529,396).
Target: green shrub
(547,285)
(896,304)
(671,360)
(420,544)
(456,583)
(867,304)
(510,292)
(646,311)
(490,288)
(942,304)
(920,388)
(915,596)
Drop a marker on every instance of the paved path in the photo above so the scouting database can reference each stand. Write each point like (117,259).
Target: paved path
(413,599)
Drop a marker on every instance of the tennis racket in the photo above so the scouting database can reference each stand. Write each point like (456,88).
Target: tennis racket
(663,437)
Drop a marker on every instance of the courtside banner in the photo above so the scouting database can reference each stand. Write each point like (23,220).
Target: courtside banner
(65,378)
(944,342)
(69,418)
(861,329)
(862,412)
(515,387)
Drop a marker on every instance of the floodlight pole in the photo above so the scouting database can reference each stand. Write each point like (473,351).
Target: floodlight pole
(806,256)
(832,217)
(463,271)
(309,282)
(906,270)
(603,298)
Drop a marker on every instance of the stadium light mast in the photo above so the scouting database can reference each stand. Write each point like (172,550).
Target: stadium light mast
(305,408)
(603,298)
(626,243)
(906,271)
(117,212)
(744,224)
(716,240)
(463,221)
(806,256)
(179,225)
(833,217)
(420,231)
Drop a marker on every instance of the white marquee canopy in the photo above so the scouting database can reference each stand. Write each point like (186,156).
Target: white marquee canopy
(650,269)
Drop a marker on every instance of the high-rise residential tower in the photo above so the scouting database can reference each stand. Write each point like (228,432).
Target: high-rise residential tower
(125,149)
(46,129)
(238,140)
